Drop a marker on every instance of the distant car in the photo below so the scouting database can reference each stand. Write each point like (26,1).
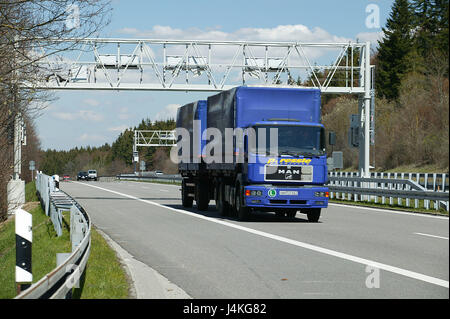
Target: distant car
(66,178)
(92,174)
(159,173)
(82,176)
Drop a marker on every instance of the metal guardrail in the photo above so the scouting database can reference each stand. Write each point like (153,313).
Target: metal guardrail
(349,186)
(167,178)
(58,283)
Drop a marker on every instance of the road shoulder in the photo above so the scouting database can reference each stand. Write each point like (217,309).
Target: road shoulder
(146,283)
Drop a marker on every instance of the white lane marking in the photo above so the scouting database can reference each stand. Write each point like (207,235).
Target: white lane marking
(163,190)
(145,187)
(390,211)
(434,236)
(363,261)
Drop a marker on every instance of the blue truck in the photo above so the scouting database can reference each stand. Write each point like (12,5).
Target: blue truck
(267,152)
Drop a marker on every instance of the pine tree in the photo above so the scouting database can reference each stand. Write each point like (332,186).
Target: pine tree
(394,58)
(441,12)
(426,26)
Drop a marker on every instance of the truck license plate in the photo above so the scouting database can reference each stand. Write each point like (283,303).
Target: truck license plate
(295,193)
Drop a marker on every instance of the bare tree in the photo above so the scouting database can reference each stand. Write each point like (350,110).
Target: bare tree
(31,31)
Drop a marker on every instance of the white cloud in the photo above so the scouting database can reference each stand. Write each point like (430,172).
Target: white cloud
(124,116)
(298,32)
(119,128)
(91,102)
(86,115)
(224,54)
(91,138)
(372,37)
(65,116)
(170,111)
(123,113)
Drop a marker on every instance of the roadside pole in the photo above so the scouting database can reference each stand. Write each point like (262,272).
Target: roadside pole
(24,239)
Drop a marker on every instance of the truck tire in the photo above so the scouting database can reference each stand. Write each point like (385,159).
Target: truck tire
(291,214)
(202,196)
(243,212)
(279,214)
(313,214)
(185,199)
(221,205)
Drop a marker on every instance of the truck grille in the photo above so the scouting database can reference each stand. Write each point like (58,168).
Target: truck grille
(289,173)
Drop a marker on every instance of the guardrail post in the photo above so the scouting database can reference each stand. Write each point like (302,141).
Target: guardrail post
(426,202)
(416,201)
(408,187)
(346,195)
(60,259)
(76,228)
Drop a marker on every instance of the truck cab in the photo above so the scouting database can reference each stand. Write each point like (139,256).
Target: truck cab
(290,175)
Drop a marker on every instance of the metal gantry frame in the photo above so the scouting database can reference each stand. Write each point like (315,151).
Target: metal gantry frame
(196,65)
(200,65)
(154,138)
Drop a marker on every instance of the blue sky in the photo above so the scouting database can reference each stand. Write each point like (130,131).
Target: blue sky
(81,118)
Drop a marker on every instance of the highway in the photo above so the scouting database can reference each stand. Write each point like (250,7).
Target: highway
(353,252)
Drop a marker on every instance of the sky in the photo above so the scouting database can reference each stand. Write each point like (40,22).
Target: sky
(82,118)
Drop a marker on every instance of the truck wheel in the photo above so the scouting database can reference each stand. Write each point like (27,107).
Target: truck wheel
(185,199)
(291,213)
(279,214)
(202,197)
(221,205)
(313,215)
(243,212)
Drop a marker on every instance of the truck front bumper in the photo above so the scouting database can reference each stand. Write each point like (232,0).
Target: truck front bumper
(267,196)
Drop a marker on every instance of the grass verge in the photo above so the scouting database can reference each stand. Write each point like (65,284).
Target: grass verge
(105,278)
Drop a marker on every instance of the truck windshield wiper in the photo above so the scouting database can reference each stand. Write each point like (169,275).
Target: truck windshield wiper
(288,153)
(309,154)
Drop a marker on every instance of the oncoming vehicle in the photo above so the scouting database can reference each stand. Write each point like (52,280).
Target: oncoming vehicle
(82,176)
(92,174)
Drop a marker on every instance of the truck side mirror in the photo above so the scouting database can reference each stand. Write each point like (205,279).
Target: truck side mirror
(332,138)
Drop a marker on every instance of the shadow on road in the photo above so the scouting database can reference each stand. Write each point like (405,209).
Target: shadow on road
(264,217)
(261,217)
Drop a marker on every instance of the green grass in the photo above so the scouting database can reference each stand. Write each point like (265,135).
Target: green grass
(45,246)
(104,277)
(30,192)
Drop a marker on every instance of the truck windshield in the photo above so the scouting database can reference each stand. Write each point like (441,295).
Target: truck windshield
(293,140)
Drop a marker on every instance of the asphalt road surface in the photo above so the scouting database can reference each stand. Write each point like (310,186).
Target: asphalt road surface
(353,252)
